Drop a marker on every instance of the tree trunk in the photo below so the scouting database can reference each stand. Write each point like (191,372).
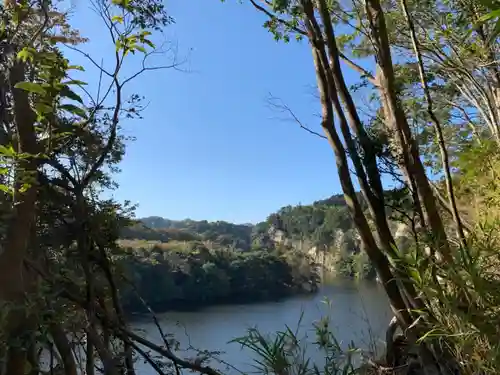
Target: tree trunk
(395,117)
(64,348)
(14,282)
(375,254)
(437,126)
(370,182)
(371,185)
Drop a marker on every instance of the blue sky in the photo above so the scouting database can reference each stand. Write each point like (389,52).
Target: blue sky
(209,147)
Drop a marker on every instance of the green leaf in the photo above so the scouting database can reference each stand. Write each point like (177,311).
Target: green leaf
(118,19)
(489,16)
(7,151)
(30,87)
(24,188)
(76,67)
(26,54)
(68,93)
(119,45)
(148,42)
(42,108)
(140,48)
(490,4)
(5,189)
(74,82)
(74,109)
(415,275)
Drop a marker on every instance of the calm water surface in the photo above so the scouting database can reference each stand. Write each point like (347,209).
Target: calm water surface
(358,312)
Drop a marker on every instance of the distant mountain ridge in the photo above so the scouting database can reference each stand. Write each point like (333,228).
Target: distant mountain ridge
(325,225)
(300,221)
(221,232)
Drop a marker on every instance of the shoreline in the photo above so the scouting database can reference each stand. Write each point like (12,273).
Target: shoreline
(197,306)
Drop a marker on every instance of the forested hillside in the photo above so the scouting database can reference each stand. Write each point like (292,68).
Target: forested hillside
(187,263)
(301,222)
(324,226)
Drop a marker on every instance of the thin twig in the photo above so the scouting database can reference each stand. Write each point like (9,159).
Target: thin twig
(278,104)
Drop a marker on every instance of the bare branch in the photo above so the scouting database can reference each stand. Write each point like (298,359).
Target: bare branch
(279,105)
(174,65)
(89,58)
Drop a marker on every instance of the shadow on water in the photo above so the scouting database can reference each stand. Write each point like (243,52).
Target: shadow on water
(358,311)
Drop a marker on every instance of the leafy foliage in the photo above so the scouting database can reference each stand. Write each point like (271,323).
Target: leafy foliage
(178,275)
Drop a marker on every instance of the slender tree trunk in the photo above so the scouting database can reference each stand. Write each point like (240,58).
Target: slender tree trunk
(395,116)
(64,348)
(375,254)
(437,127)
(13,280)
(106,265)
(370,181)
(89,357)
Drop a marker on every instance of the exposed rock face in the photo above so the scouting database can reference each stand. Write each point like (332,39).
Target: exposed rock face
(327,257)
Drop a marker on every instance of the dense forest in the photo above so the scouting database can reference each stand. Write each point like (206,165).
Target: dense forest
(191,264)
(324,226)
(415,135)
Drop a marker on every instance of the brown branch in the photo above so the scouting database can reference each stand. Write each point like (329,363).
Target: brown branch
(71,292)
(154,317)
(174,65)
(147,358)
(369,76)
(446,205)
(89,58)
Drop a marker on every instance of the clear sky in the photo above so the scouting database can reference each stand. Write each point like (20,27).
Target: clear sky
(209,147)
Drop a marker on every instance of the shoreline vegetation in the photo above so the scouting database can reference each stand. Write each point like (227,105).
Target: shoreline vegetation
(188,264)
(194,278)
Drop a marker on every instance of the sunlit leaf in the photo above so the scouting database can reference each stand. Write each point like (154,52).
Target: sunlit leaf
(7,151)
(26,54)
(76,67)
(24,188)
(31,87)
(75,82)
(118,19)
(5,189)
(492,15)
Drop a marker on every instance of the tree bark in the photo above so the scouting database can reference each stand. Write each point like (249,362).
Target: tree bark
(64,348)
(395,116)
(370,181)
(14,281)
(437,127)
(375,254)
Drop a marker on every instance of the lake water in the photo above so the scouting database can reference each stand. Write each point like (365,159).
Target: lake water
(358,312)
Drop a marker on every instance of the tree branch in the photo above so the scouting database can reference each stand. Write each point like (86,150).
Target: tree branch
(279,105)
